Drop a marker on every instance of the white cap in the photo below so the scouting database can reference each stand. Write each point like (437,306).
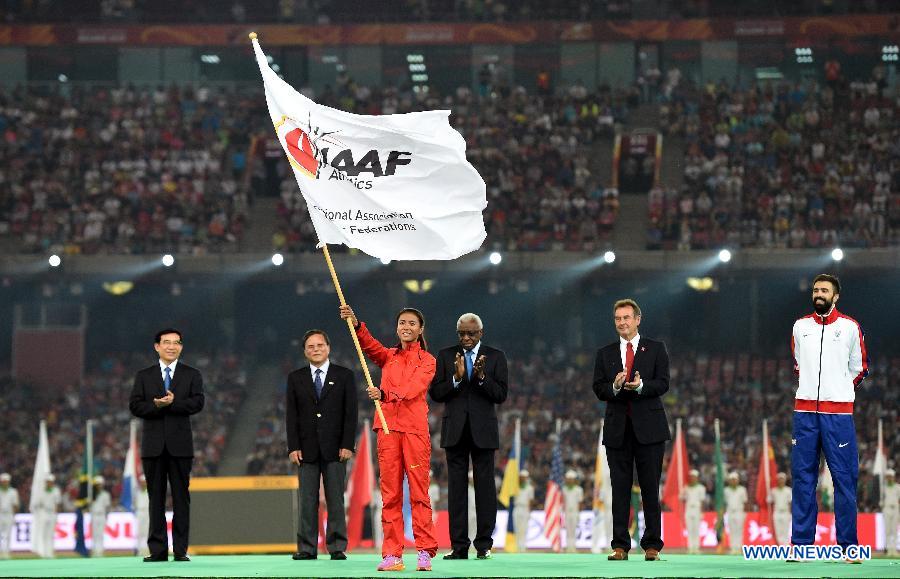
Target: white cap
(5,477)
(142,478)
(782,476)
(693,472)
(99,480)
(524,473)
(888,472)
(571,474)
(733,474)
(50,478)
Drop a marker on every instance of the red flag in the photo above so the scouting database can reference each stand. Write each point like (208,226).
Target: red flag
(676,475)
(762,486)
(359,488)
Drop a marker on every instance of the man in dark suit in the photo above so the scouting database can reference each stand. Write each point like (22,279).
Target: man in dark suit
(631,375)
(470,379)
(165,396)
(321,418)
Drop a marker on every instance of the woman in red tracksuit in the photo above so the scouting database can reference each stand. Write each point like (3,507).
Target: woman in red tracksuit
(406,373)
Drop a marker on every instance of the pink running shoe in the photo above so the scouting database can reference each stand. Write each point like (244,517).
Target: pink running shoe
(424,563)
(391,563)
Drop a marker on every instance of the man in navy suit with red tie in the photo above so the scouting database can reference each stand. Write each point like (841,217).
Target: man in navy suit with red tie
(631,375)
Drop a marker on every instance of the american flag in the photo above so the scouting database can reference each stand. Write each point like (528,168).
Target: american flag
(553,503)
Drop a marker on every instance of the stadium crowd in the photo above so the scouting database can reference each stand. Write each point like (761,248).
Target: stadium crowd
(103,397)
(124,170)
(533,151)
(355,11)
(782,165)
(739,389)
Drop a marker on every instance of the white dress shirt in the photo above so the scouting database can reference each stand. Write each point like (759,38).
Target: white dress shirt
(623,349)
(474,351)
(323,368)
(171,367)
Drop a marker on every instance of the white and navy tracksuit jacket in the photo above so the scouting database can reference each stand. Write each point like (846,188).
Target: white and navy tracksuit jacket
(831,362)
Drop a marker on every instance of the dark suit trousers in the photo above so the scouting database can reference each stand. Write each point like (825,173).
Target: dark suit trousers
(332,474)
(648,458)
(458,492)
(177,471)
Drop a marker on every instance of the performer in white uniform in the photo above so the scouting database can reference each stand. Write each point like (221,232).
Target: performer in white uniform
(9,505)
(780,497)
(573,495)
(99,509)
(889,510)
(43,507)
(694,497)
(522,510)
(735,511)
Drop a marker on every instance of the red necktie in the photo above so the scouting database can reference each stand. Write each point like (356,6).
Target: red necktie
(629,361)
(629,366)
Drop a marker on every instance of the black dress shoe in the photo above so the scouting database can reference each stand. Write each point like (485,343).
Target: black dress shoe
(486,554)
(338,556)
(303,556)
(182,558)
(155,559)
(456,555)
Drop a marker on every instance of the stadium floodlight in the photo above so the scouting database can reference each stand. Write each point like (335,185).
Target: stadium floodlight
(54,260)
(609,256)
(496,258)
(168,260)
(837,254)
(385,261)
(724,256)
(277,259)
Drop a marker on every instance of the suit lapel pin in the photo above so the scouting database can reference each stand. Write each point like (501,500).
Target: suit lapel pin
(643,349)
(331,383)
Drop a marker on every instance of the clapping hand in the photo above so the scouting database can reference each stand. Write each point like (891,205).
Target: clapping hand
(635,382)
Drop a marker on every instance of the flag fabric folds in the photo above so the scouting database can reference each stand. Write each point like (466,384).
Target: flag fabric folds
(396,187)
(509,488)
(676,475)
(131,470)
(765,478)
(359,489)
(85,490)
(720,487)
(601,495)
(553,502)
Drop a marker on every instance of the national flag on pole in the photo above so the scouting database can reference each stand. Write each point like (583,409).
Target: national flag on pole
(509,488)
(720,487)
(396,187)
(41,464)
(765,478)
(360,486)
(132,470)
(676,475)
(553,501)
(85,489)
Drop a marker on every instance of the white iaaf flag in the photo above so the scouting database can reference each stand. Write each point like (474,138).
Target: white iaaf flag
(397,187)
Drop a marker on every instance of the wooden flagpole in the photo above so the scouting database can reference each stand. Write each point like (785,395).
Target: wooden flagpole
(362,359)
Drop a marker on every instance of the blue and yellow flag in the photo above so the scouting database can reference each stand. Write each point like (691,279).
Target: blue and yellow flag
(509,488)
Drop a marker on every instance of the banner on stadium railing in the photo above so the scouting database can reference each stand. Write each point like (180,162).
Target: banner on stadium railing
(870,527)
(121,531)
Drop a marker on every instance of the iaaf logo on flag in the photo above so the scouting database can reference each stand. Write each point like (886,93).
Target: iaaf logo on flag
(318,154)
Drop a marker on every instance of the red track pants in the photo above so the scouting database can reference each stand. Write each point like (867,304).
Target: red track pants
(399,453)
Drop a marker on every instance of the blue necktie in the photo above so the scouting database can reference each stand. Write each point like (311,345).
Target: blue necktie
(319,384)
(469,355)
(168,379)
